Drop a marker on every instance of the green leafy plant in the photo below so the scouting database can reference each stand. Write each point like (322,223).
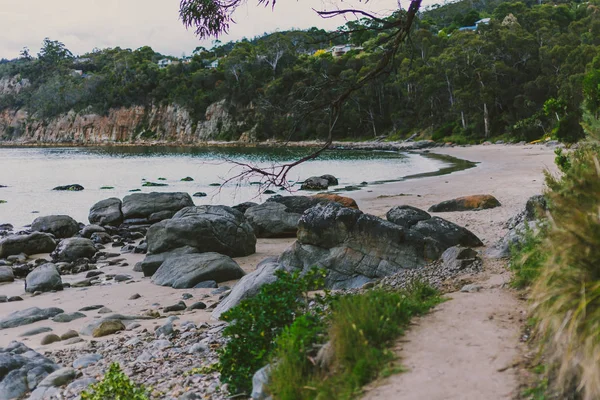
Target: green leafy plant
(115,386)
(257,321)
(527,257)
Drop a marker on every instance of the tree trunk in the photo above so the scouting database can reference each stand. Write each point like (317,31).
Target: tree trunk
(486,120)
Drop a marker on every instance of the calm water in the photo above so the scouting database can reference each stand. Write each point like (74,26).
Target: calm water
(31,173)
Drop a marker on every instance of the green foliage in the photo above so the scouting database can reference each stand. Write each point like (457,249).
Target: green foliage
(361,328)
(257,321)
(115,386)
(527,257)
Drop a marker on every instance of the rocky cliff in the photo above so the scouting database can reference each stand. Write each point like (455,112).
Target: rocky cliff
(142,125)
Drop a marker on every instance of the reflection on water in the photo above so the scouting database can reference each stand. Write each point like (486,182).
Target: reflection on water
(31,173)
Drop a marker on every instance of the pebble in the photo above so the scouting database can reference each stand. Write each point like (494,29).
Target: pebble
(186,296)
(175,307)
(69,335)
(86,360)
(91,308)
(104,310)
(470,288)
(197,306)
(135,296)
(50,338)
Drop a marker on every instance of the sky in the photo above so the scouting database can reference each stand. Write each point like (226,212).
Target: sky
(83,25)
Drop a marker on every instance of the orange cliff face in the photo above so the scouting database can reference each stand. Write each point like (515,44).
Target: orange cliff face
(134,125)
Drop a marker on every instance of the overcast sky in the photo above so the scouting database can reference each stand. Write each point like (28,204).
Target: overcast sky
(85,24)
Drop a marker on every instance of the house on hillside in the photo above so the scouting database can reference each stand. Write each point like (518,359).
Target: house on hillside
(165,62)
(340,50)
(483,21)
(213,64)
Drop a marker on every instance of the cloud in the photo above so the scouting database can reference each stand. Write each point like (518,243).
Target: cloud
(85,24)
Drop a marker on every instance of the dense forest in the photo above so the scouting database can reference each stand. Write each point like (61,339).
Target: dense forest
(470,71)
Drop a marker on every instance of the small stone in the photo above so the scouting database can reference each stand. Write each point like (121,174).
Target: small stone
(470,288)
(133,341)
(166,330)
(175,307)
(108,328)
(186,296)
(197,306)
(69,335)
(74,340)
(93,273)
(197,348)
(135,296)
(3,299)
(86,360)
(122,278)
(91,308)
(49,339)
(104,310)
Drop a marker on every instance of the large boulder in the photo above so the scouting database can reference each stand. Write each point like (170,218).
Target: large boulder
(152,262)
(143,205)
(207,228)
(187,271)
(446,233)
(272,219)
(74,248)
(106,212)
(297,204)
(43,279)
(249,285)
(355,247)
(22,370)
(468,203)
(330,197)
(35,243)
(28,316)
(6,274)
(315,183)
(406,216)
(61,226)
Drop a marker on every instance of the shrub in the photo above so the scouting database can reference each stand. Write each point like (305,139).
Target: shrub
(115,386)
(527,257)
(257,321)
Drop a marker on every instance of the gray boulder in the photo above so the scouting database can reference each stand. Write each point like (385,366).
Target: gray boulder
(207,228)
(6,274)
(260,382)
(242,207)
(61,226)
(89,230)
(188,270)
(447,233)
(406,216)
(28,316)
(59,378)
(74,248)
(22,370)
(43,279)
(457,258)
(35,243)
(272,219)
(315,183)
(535,205)
(153,261)
(297,204)
(106,212)
(143,205)
(249,285)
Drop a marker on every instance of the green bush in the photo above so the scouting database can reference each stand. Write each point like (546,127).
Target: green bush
(527,258)
(115,386)
(257,321)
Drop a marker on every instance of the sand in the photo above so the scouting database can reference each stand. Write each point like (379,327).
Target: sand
(453,353)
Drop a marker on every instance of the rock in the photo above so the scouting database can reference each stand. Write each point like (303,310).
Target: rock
(534,206)
(406,216)
(166,330)
(104,310)
(3,299)
(470,288)
(447,233)
(36,331)
(186,271)
(272,220)
(93,274)
(100,238)
(467,203)
(61,226)
(199,194)
(297,204)
(175,307)
(17,258)
(154,184)
(514,238)
(457,258)
(315,183)
(160,215)
(70,334)
(207,228)
(206,285)
(35,243)
(133,326)
(344,201)
(80,384)
(135,296)
(6,274)
(122,278)
(74,340)
(68,317)
(331,180)
(86,360)
(15,298)
(197,306)
(59,378)
(44,279)
(108,328)
(249,285)
(44,393)
(88,230)
(106,212)
(49,339)
(71,188)
(142,205)
(355,247)
(91,308)
(187,296)
(153,261)
(242,207)
(74,248)
(197,348)
(187,179)
(21,370)
(260,381)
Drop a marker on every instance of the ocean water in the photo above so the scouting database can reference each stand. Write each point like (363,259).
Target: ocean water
(30,174)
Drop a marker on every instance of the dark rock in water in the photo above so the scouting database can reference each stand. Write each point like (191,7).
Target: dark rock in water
(35,243)
(28,316)
(106,212)
(315,183)
(74,248)
(272,220)
(152,262)
(187,271)
(135,190)
(200,194)
(269,191)
(331,180)
(197,306)
(215,184)
(61,226)
(142,205)
(206,285)
(250,285)
(71,188)
(36,331)
(180,306)
(447,233)
(154,184)
(467,203)
(44,278)
(107,187)
(22,370)
(207,228)
(14,298)
(6,274)
(68,317)
(242,207)
(406,216)
(187,179)
(89,230)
